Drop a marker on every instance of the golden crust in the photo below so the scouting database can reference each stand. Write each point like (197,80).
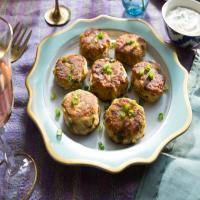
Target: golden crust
(130,49)
(70,71)
(81,116)
(125,129)
(93,48)
(108,86)
(148,89)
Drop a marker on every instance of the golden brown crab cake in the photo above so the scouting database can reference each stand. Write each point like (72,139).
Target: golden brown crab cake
(108,79)
(148,80)
(81,111)
(94,44)
(125,121)
(70,71)
(130,49)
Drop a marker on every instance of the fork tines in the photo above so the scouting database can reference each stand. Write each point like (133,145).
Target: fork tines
(20,41)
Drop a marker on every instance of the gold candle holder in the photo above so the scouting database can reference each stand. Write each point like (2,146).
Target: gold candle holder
(57,16)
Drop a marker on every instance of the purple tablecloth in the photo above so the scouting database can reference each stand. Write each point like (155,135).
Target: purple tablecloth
(56,181)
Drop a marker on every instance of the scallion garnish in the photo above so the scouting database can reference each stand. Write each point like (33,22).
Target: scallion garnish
(141,102)
(53,96)
(59,134)
(141,72)
(57,113)
(122,114)
(160,116)
(64,59)
(126,108)
(151,75)
(112,44)
(99,36)
(100,127)
(130,42)
(72,67)
(131,113)
(166,88)
(74,100)
(148,67)
(69,77)
(100,146)
(107,69)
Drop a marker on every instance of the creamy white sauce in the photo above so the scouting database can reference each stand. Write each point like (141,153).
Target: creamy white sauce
(184,20)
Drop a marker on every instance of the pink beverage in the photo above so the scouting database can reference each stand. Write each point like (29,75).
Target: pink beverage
(6,92)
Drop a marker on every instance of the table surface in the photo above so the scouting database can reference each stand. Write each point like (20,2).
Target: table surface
(56,181)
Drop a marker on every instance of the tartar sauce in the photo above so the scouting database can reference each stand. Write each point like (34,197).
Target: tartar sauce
(184,20)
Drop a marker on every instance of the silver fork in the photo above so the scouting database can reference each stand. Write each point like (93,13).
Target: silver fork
(20,42)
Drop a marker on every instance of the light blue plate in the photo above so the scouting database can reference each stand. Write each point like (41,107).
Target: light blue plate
(84,150)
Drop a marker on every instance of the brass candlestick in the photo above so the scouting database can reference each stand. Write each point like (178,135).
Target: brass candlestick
(57,16)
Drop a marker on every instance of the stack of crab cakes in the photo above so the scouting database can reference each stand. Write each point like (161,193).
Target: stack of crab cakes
(130,49)
(148,80)
(108,79)
(81,111)
(94,44)
(124,119)
(70,71)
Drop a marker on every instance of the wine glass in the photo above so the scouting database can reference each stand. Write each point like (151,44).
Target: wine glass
(57,16)
(135,8)
(20,172)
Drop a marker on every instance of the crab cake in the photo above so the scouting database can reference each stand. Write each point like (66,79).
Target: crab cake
(108,79)
(148,81)
(130,49)
(94,44)
(125,121)
(81,112)
(70,71)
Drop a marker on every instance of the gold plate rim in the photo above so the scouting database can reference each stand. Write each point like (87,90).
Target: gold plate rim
(100,165)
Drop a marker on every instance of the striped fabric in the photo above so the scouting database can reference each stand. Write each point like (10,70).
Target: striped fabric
(55,181)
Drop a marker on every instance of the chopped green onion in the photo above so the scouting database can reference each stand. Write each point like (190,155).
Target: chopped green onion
(69,77)
(72,67)
(131,113)
(112,44)
(64,59)
(166,88)
(122,114)
(126,108)
(57,113)
(160,116)
(100,127)
(107,69)
(148,67)
(100,146)
(141,72)
(151,75)
(99,36)
(53,96)
(74,100)
(141,102)
(59,134)
(69,123)
(130,42)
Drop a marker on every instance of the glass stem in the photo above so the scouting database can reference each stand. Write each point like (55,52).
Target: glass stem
(56,13)
(143,6)
(8,156)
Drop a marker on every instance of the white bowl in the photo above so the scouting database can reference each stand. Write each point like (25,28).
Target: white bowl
(178,38)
